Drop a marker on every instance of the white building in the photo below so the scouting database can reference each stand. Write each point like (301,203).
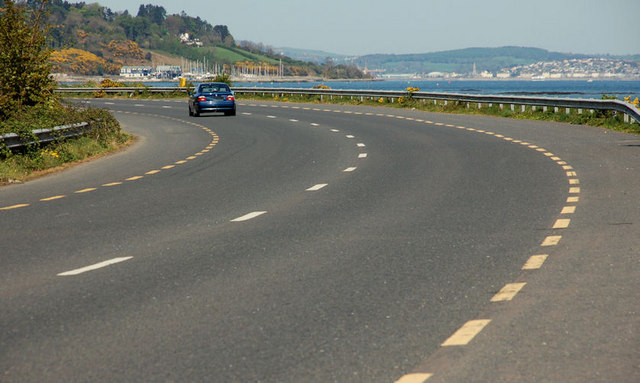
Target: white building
(135,71)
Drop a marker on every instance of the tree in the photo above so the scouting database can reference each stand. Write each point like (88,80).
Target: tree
(24,58)
(156,14)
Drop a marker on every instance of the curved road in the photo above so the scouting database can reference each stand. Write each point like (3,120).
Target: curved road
(305,243)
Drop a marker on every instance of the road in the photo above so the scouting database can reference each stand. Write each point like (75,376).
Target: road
(314,243)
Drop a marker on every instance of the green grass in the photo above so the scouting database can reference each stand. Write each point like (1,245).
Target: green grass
(602,119)
(34,160)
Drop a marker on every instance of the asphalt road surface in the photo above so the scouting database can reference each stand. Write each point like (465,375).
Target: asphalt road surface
(315,243)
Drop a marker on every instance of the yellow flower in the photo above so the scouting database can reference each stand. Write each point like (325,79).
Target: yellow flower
(52,153)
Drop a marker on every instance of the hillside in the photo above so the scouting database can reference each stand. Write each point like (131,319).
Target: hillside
(92,39)
(462,60)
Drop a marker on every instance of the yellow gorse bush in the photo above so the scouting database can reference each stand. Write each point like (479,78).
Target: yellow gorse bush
(51,153)
(635,102)
(413,89)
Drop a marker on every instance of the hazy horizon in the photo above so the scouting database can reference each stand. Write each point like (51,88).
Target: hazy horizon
(360,27)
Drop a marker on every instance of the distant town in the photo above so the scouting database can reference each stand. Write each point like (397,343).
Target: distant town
(574,69)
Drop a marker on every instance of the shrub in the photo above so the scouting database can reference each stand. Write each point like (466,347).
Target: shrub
(24,59)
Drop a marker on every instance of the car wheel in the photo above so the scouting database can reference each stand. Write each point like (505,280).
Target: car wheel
(190,111)
(231,113)
(196,112)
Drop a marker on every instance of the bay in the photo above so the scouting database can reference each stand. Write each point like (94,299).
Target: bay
(556,88)
(560,89)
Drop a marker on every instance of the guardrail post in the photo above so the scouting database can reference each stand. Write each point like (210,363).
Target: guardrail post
(568,110)
(513,108)
(556,109)
(501,106)
(524,108)
(626,117)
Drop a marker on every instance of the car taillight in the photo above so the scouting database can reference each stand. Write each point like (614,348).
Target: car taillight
(231,98)
(202,98)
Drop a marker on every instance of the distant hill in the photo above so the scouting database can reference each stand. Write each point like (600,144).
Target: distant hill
(311,55)
(462,60)
(94,40)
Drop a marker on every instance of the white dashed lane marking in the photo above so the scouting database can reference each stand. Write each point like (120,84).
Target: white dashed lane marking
(94,267)
(249,216)
(317,187)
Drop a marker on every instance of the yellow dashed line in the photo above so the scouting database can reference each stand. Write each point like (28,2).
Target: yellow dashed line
(573,199)
(551,240)
(575,190)
(153,172)
(53,198)
(112,184)
(568,210)
(168,167)
(87,190)
(134,178)
(508,292)
(562,223)
(414,378)
(574,181)
(181,162)
(535,262)
(466,333)
(15,206)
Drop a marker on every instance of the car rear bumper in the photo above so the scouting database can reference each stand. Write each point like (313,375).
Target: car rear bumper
(216,106)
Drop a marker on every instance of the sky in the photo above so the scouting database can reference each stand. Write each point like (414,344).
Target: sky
(358,27)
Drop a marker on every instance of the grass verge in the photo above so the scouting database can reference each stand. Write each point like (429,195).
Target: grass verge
(603,119)
(35,160)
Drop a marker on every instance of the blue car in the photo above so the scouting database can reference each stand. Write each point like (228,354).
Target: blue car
(212,97)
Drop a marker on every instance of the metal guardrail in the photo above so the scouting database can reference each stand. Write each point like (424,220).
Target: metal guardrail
(132,89)
(589,104)
(584,104)
(13,140)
